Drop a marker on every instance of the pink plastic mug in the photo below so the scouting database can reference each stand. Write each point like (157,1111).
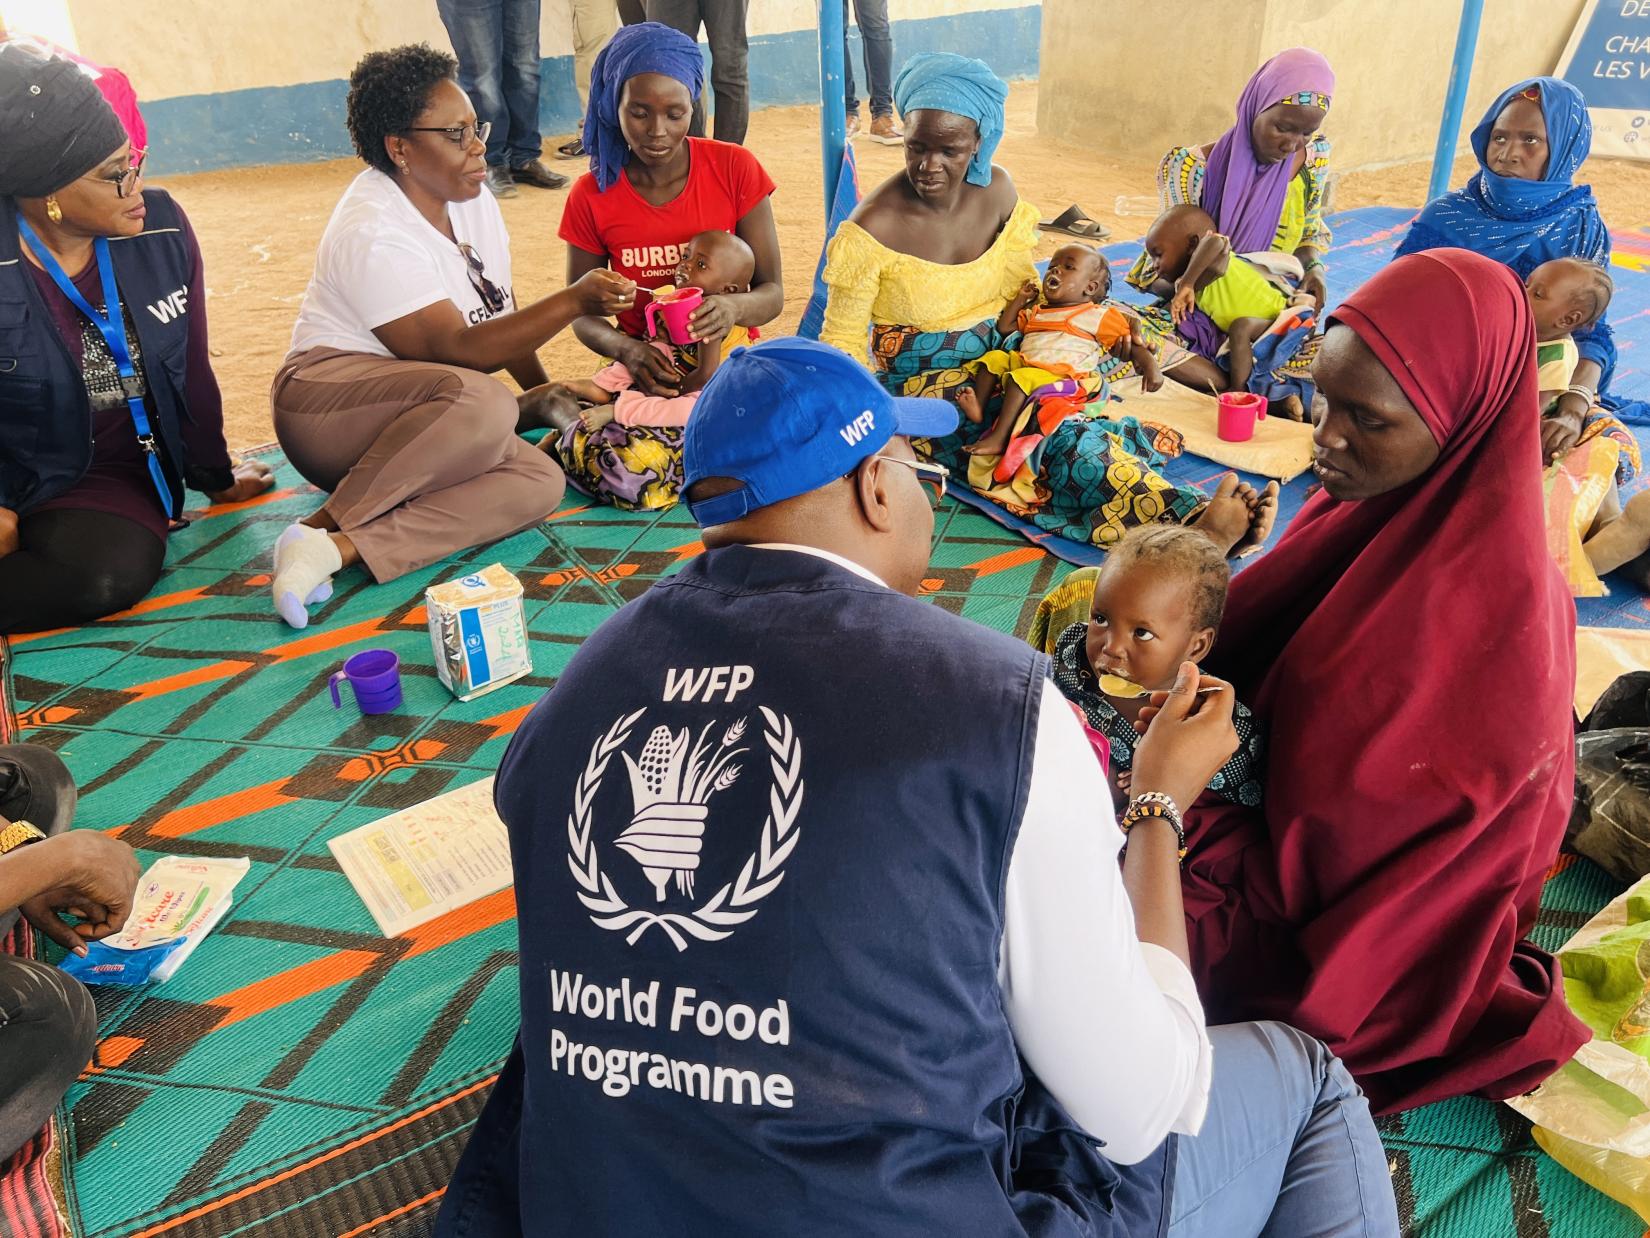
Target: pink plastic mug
(676,308)
(1239,410)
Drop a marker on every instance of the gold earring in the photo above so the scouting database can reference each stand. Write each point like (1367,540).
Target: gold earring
(54,212)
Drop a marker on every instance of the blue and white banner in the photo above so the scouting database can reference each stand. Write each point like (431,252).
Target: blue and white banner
(1608,60)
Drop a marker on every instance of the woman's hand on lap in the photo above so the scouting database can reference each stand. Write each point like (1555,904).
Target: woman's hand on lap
(252,478)
(1312,285)
(603,294)
(8,531)
(1560,432)
(651,370)
(713,319)
(1187,736)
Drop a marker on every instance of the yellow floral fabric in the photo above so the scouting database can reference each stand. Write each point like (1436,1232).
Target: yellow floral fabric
(1180,180)
(870,283)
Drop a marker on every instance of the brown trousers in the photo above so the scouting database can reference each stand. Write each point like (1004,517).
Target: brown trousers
(421,459)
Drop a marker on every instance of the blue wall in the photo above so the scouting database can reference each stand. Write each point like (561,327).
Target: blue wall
(294,124)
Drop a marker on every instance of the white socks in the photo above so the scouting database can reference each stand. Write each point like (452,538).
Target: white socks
(305,560)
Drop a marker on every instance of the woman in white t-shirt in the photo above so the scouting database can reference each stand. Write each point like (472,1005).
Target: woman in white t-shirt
(385,398)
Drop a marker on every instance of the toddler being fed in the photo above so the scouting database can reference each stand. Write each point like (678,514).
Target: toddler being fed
(1064,332)
(714,262)
(1188,253)
(1158,602)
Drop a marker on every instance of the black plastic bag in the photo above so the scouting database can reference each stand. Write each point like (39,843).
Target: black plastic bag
(1610,822)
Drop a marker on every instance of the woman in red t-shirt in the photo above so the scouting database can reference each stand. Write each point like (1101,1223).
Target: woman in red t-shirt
(650,189)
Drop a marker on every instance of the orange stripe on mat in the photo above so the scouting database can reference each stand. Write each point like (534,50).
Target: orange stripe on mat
(207,813)
(225,509)
(1006,560)
(188,679)
(293,984)
(147,606)
(113,1051)
(571,511)
(343,1150)
(506,722)
(162,602)
(390,1216)
(461,922)
(323,641)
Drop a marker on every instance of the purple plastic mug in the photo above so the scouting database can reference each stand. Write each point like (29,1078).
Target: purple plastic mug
(375,677)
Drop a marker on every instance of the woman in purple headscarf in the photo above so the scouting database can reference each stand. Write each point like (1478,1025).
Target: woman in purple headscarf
(1263,182)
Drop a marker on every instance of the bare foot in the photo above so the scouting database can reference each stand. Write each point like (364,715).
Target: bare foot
(1263,514)
(991,444)
(1289,408)
(968,404)
(549,405)
(1625,541)
(1225,518)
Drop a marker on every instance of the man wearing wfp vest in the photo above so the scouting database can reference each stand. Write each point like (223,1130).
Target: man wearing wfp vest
(803,953)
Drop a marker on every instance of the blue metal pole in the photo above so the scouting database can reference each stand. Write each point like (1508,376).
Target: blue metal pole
(833,117)
(1455,98)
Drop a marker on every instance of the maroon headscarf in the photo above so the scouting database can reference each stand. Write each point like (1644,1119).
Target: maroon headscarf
(1413,657)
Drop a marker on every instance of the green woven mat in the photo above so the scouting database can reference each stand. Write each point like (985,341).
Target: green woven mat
(304,1076)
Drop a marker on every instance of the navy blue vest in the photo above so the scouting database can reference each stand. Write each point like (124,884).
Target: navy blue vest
(761,828)
(45,414)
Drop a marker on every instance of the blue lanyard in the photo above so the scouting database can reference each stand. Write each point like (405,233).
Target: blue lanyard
(111,324)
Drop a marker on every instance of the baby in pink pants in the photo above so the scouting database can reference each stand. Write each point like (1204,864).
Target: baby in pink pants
(714,262)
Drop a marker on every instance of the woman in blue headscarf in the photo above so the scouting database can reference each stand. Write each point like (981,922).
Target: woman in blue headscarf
(917,277)
(651,188)
(1522,208)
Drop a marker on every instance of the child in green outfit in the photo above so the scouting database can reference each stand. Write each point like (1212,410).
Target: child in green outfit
(1198,262)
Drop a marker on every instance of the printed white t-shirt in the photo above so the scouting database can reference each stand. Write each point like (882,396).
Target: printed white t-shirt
(380,260)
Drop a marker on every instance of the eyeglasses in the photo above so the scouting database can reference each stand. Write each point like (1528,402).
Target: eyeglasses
(932,476)
(127,178)
(459,135)
(492,296)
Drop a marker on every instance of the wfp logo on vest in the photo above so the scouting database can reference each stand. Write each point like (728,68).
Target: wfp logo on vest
(674,781)
(173,307)
(858,428)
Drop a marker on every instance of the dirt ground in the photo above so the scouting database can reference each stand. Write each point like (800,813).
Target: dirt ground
(259,228)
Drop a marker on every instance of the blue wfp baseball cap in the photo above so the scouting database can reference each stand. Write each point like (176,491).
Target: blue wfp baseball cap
(788,416)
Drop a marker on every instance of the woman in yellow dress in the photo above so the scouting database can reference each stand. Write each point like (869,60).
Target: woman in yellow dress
(917,277)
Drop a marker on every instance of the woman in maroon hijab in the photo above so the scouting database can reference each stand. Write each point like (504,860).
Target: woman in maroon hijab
(1411,648)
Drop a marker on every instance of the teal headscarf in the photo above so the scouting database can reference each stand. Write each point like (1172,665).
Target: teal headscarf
(946,82)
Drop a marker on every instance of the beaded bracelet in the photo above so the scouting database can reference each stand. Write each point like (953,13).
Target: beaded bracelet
(1155,805)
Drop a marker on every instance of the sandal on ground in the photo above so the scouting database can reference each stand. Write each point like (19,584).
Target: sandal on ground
(572,150)
(1074,221)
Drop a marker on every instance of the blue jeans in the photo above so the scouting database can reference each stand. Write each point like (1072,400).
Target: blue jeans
(497,42)
(724,23)
(1288,1148)
(872,18)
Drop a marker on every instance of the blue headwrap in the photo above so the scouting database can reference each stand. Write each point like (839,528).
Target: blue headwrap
(646,47)
(947,82)
(1569,138)
(1525,223)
